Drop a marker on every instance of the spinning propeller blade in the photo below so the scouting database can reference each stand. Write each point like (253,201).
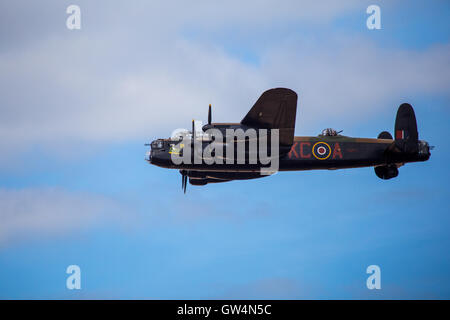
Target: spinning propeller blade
(209,114)
(183,180)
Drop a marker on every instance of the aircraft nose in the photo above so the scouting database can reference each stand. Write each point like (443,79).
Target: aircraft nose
(148,156)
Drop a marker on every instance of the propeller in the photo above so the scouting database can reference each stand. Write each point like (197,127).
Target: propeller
(209,114)
(184,176)
(183,180)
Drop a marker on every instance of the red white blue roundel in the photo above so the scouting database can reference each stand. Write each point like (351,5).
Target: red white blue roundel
(321,150)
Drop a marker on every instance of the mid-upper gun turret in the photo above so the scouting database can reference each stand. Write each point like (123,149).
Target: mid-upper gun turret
(330,132)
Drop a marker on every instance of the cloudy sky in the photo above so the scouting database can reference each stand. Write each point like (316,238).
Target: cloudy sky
(77,106)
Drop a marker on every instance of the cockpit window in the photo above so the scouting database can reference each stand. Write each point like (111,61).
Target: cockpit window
(157,144)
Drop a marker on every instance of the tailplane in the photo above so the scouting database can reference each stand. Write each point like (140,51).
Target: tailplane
(406,146)
(385,135)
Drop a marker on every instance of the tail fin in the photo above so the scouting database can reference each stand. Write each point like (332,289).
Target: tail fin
(406,145)
(406,135)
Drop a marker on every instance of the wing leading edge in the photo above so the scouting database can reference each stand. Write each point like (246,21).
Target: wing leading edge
(204,177)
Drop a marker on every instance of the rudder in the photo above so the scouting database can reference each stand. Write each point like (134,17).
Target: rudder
(406,135)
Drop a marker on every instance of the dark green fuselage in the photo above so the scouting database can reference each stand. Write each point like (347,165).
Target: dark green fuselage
(308,153)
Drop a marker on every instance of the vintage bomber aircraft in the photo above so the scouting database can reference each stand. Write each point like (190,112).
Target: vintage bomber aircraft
(276,109)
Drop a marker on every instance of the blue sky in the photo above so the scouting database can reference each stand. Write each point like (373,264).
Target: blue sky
(77,106)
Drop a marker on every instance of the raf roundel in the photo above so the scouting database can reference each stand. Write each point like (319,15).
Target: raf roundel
(321,150)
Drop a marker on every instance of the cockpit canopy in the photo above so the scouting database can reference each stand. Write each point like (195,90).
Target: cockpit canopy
(157,144)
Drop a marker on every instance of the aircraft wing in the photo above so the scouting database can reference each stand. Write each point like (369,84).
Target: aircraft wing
(204,177)
(275,109)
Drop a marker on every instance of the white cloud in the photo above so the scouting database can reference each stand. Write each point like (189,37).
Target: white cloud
(346,79)
(131,74)
(37,213)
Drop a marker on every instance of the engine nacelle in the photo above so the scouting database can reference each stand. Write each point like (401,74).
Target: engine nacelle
(386,172)
(198,182)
